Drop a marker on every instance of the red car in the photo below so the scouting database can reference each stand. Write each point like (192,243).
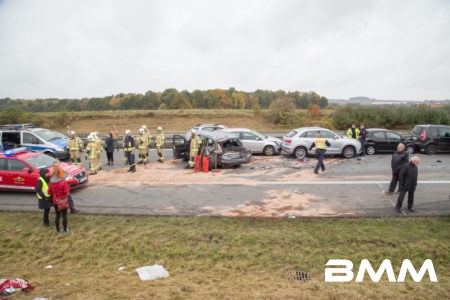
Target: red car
(19,170)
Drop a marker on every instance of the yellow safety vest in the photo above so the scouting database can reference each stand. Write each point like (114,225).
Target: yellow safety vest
(44,188)
(320,143)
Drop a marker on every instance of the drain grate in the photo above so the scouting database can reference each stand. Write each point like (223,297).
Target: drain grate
(296,276)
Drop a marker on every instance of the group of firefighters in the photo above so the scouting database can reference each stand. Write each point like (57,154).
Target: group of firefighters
(95,146)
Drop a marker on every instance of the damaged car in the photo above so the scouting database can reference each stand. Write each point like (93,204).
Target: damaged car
(228,149)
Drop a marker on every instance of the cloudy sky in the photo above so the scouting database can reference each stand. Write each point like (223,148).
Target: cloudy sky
(87,48)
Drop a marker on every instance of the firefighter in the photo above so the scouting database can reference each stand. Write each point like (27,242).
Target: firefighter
(129,146)
(159,143)
(194,147)
(149,138)
(75,145)
(91,154)
(142,142)
(99,148)
(321,145)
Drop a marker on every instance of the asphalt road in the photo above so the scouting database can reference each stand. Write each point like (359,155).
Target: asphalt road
(347,188)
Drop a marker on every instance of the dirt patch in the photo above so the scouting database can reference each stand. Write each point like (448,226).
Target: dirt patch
(279,204)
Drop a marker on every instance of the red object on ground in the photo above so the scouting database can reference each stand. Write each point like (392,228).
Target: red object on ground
(17,283)
(205,165)
(197,167)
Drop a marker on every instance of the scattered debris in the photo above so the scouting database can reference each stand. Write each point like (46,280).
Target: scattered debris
(299,276)
(152,272)
(7,287)
(439,161)
(49,267)
(121,268)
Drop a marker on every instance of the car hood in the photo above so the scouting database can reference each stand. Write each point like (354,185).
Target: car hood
(62,143)
(70,168)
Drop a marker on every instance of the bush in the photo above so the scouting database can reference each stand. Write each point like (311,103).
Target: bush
(282,112)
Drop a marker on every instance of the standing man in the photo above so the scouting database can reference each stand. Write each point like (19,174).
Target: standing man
(115,136)
(159,143)
(75,146)
(128,147)
(142,142)
(194,147)
(99,148)
(362,139)
(91,154)
(109,148)
(408,183)
(44,199)
(321,145)
(149,139)
(399,159)
(353,132)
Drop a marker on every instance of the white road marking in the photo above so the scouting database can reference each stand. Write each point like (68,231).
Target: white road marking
(355,182)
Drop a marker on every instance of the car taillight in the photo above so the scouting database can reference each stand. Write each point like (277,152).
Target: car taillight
(288,141)
(423,134)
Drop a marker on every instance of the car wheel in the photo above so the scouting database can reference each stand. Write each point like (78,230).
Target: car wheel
(370,150)
(410,149)
(269,150)
(348,152)
(300,152)
(430,149)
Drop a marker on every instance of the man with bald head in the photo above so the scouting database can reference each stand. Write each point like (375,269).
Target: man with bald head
(407,183)
(399,159)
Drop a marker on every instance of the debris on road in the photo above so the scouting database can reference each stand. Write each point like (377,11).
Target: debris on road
(152,272)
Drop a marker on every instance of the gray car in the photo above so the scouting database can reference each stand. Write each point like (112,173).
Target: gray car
(256,142)
(298,141)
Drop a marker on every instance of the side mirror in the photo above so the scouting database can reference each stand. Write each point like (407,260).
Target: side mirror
(27,170)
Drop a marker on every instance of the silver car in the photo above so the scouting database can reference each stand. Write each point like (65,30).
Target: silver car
(256,142)
(298,141)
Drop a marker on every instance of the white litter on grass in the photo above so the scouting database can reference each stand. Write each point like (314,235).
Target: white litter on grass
(121,268)
(152,272)
(49,267)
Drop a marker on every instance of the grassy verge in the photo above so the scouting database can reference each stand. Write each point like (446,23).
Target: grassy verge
(218,258)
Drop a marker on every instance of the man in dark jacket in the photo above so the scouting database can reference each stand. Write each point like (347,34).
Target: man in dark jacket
(44,199)
(407,183)
(399,159)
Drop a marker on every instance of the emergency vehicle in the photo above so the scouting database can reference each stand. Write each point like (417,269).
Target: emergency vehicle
(19,170)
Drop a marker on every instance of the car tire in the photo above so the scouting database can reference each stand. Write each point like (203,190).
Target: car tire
(370,150)
(269,150)
(431,149)
(410,149)
(349,152)
(300,152)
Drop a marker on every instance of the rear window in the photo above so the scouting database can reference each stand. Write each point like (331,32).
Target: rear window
(291,134)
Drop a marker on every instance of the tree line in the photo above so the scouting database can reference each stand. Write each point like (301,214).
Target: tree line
(169,99)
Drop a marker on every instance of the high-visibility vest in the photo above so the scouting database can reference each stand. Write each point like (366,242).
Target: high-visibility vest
(142,142)
(128,144)
(91,151)
(320,143)
(44,188)
(75,144)
(350,133)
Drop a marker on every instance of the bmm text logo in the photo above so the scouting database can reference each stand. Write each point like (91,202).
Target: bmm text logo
(342,271)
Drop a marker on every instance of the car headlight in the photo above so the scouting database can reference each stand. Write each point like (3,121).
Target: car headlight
(69,177)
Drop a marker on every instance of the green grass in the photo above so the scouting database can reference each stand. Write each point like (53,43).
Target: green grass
(218,257)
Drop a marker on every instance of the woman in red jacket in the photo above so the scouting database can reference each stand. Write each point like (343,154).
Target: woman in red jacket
(59,189)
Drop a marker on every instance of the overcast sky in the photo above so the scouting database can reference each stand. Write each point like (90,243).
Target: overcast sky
(339,49)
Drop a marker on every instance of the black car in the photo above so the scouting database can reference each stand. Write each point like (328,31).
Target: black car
(432,138)
(383,140)
(231,151)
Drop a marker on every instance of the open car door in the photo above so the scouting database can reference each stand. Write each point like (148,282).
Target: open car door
(180,147)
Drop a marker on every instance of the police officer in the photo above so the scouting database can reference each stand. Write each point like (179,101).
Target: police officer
(75,146)
(194,147)
(91,154)
(321,145)
(353,132)
(159,143)
(142,142)
(128,147)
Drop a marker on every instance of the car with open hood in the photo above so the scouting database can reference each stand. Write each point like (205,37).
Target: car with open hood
(19,170)
(229,149)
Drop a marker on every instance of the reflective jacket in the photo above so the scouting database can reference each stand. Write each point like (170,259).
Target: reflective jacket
(159,140)
(43,190)
(195,145)
(75,144)
(129,144)
(351,135)
(142,142)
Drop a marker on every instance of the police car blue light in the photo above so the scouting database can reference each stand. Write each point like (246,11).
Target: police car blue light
(11,152)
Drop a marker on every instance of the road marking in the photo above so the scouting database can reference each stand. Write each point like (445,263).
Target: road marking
(339,182)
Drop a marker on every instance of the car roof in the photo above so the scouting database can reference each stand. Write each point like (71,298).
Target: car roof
(377,129)
(239,129)
(310,128)
(430,125)
(204,125)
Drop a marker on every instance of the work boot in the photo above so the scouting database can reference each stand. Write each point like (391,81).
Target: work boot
(133,169)
(112,163)
(129,169)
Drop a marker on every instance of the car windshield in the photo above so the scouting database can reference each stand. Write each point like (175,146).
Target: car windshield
(48,135)
(40,161)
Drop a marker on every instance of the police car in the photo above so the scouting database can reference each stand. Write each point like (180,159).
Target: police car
(34,139)
(19,170)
